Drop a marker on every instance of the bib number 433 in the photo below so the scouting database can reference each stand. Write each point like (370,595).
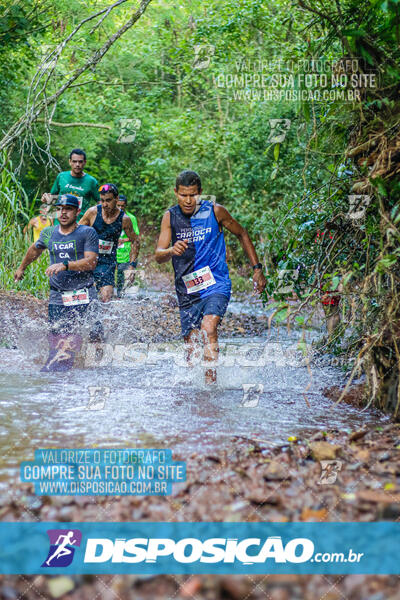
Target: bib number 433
(198,280)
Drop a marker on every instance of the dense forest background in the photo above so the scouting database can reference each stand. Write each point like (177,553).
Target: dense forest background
(173,78)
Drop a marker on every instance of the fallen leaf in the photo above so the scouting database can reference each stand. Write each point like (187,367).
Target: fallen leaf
(307,514)
(60,586)
(389,486)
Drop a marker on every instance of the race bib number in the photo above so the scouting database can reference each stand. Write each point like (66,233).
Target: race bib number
(75,298)
(105,246)
(198,280)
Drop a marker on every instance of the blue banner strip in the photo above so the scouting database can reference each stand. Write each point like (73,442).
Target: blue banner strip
(219,548)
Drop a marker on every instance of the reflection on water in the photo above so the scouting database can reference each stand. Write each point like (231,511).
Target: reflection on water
(165,404)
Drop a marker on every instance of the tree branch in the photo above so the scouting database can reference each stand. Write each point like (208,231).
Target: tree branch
(330,20)
(56,124)
(38,105)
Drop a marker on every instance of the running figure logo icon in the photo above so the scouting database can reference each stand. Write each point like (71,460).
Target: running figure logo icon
(330,470)
(202,56)
(62,550)
(279,129)
(251,394)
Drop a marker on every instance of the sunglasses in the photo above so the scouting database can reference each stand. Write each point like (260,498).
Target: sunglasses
(108,187)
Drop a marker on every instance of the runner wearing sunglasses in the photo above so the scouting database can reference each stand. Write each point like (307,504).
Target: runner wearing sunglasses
(109,221)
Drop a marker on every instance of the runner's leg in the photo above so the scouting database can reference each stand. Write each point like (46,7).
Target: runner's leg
(192,343)
(120,279)
(214,309)
(209,330)
(106,293)
(104,277)
(191,322)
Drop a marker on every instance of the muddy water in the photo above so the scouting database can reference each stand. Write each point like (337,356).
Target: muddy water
(141,394)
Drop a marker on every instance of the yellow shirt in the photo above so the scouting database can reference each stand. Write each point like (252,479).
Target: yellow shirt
(39,226)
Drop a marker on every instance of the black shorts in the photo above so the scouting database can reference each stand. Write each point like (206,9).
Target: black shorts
(192,316)
(104,275)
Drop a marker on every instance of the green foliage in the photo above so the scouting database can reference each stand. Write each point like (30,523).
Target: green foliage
(14,211)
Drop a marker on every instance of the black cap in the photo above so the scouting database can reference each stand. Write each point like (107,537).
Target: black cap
(67,200)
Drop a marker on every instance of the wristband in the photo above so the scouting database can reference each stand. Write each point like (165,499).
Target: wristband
(257,266)
(65,263)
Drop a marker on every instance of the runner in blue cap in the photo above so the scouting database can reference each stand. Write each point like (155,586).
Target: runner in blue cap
(73,253)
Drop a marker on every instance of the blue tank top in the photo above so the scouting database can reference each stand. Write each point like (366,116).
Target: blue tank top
(109,234)
(205,253)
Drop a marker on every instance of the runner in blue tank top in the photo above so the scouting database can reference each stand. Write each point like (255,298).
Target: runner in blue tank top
(109,221)
(192,236)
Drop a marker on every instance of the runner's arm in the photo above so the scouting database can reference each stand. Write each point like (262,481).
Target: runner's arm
(90,253)
(84,264)
(224,218)
(31,255)
(88,263)
(132,237)
(87,218)
(163,251)
(55,190)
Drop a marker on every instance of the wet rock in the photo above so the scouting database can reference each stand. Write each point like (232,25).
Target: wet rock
(9,593)
(352,585)
(33,503)
(324,450)
(384,456)
(362,456)
(378,497)
(39,582)
(391,512)
(66,513)
(236,506)
(355,466)
(357,435)
(276,471)
(261,495)
(214,459)
(190,587)
(170,300)
(279,594)
(235,588)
